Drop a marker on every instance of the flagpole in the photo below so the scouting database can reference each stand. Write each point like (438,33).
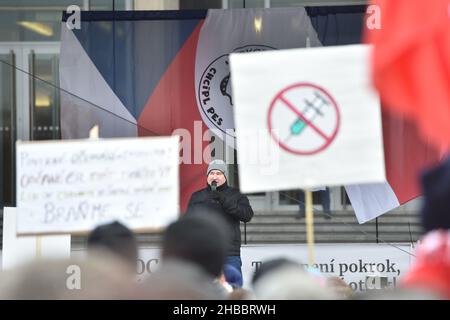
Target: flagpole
(309,227)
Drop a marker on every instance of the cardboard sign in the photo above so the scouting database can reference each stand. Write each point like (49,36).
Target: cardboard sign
(72,186)
(20,250)
(306,118)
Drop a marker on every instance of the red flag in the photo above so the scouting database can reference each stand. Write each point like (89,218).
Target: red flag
(411,63)
(431,269)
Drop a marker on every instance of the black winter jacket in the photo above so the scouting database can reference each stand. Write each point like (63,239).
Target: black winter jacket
(232,205)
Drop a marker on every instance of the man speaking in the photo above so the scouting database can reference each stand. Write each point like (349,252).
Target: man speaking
(228,202)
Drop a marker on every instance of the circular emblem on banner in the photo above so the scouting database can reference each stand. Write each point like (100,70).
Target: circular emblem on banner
(303,119)
(214,92)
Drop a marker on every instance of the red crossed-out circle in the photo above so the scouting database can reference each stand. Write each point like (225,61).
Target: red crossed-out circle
(290,105)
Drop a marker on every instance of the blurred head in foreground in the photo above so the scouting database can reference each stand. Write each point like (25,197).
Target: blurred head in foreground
(199,240)
(99,277)
(115,238)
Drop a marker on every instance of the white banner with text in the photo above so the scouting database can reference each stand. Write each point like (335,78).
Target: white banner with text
(71,186)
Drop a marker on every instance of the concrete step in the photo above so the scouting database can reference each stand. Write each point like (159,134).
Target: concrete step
(282,227)
(292,219)
(286,216)
(301,238)
(255,238)
(329,227)
(350,213)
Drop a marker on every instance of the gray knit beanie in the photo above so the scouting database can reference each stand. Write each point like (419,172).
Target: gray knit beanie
(218,165)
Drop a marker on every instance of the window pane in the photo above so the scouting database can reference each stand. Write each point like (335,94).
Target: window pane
(46,98)
(107,5)
(32,20)
(293,197)
(200,4)
(6,132)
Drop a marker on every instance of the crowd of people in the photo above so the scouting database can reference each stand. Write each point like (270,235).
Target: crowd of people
(196,264)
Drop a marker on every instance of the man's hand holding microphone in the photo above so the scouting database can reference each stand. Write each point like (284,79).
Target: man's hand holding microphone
(216,195)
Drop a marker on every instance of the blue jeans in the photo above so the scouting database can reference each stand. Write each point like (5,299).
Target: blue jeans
(236,262)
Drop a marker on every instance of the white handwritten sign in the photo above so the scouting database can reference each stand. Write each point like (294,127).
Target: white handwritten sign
(72,186)
(21,250)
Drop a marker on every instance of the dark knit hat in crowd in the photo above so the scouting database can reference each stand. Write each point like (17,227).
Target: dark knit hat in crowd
(436,190)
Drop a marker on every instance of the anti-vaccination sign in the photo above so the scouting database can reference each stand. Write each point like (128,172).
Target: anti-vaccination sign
(310,115)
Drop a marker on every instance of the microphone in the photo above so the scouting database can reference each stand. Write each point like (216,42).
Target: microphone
(213,186)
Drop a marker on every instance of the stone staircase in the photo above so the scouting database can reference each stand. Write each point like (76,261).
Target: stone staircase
(281,227)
